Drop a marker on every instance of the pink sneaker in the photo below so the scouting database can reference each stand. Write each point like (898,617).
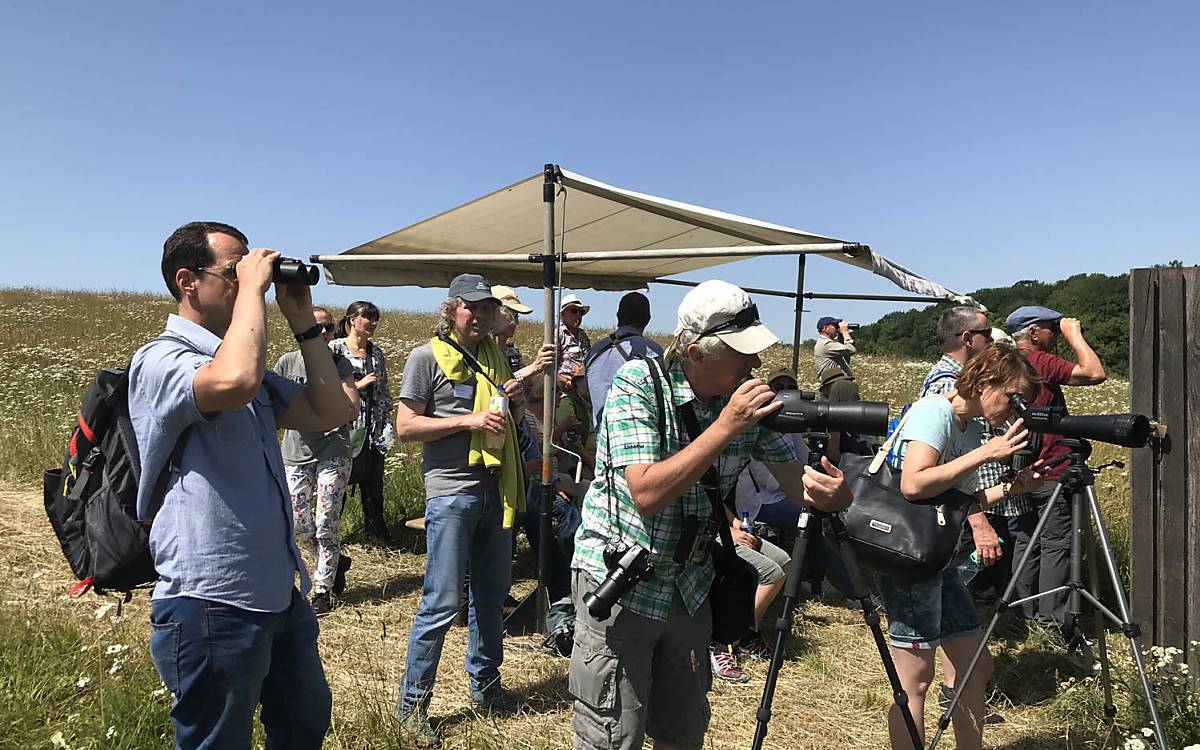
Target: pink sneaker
(725,664)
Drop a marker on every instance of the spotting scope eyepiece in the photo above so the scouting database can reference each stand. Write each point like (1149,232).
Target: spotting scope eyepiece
(1129,430)
(802,412)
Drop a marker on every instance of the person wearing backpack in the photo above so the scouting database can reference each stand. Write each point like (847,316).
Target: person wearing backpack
(626,343)
(231,631)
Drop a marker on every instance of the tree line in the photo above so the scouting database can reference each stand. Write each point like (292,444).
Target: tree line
(1100,302)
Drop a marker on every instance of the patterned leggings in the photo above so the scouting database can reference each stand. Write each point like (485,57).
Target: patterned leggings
(318,519)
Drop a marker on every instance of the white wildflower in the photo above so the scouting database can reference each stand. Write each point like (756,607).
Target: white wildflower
(158,692)
(112,732)
(103,610)
(116,649)
(57,741)
(83,681)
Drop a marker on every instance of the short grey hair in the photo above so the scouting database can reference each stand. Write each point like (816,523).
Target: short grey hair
(710,346)
(953,323)
(445,316)
(1020,334)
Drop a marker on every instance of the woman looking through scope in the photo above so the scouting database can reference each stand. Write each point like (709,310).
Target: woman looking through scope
(939,448)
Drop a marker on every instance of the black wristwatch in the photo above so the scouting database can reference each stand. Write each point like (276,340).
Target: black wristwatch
(311,333)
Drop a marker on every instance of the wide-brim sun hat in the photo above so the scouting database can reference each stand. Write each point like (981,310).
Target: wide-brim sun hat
(572,300)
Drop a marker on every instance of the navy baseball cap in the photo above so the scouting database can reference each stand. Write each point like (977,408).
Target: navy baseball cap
(1023,317)
(826,321)
(471,287)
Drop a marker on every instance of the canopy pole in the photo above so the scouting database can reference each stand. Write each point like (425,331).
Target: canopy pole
(550,336)
(815,295)
(849,249)
(796,332)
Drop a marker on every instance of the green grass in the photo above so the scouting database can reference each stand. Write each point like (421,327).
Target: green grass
(91,688)
(55,343)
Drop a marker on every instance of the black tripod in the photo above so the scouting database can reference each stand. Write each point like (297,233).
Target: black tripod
(812,523)
(1077,483)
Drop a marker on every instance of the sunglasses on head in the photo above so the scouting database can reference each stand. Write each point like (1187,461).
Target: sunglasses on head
(744,319)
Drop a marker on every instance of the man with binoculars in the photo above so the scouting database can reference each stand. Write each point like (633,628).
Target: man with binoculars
(231,630)
(641,571)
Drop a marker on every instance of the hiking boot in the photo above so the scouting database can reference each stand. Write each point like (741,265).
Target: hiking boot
(417,725)
(755,647)
(494,700)
(322,604)
(725,664)
(339,578)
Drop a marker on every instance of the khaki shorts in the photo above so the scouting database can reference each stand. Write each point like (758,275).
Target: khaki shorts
(632,676)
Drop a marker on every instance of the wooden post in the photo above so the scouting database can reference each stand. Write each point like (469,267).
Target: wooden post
(1164,514)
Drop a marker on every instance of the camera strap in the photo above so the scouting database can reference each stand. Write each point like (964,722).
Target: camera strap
(711,481)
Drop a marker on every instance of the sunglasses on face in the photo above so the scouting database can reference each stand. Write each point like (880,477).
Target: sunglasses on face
(327,327)
(985,332)
(228,272)
(744,319)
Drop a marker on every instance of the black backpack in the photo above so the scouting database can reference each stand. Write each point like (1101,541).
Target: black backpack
(92,499)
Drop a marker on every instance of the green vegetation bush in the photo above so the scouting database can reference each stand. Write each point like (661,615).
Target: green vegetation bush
(1100,302)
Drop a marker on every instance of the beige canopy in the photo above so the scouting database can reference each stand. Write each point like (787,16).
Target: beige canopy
(615,239)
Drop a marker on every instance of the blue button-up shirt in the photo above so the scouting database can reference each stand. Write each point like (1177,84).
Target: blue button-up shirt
(224,531)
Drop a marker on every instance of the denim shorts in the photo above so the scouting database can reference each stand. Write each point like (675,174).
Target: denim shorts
(921,615)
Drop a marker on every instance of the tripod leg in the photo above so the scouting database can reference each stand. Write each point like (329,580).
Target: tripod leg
(1005,601)
(1110,709)
(858,591)
(806,525)
(1131,630)
(1071,630)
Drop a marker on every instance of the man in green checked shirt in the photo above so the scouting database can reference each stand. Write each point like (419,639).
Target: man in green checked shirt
(645,669)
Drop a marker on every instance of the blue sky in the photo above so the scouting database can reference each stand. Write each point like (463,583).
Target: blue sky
(976,143)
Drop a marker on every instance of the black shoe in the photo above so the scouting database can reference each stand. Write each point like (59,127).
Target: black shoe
(322,604)
(339,579)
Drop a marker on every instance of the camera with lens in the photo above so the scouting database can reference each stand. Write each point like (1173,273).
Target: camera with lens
(628,565)
(293,271)
(1129,430)
(802,412)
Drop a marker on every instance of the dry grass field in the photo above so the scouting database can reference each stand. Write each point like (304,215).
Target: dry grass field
(74,675)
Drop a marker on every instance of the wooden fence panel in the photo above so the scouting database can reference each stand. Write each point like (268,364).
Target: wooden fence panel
(1164,493)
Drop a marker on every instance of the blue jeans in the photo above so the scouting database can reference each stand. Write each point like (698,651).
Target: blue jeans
(220,662)
(462,531)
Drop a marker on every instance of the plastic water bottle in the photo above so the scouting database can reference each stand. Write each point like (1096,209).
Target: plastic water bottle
(499,404)
(975,552)
(746,525)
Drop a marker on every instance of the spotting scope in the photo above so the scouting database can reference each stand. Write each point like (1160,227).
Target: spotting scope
(1129,430)
(802,412)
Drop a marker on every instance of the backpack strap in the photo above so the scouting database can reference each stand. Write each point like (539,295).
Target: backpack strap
(611,341)
(174,464)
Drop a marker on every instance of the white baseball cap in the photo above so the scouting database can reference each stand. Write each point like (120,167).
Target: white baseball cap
(572,300)
(718,308)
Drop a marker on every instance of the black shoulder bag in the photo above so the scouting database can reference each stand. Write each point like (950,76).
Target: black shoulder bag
(906,540)
(731,595)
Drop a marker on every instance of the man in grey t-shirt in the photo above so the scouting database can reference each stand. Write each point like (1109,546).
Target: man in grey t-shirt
(464,507)
(317,468)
